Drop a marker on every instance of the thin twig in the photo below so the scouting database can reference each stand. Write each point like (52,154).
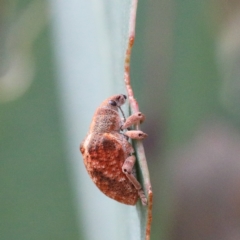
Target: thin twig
(134,108)
(131,37)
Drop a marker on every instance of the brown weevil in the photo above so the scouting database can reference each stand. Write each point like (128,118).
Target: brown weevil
(108,155)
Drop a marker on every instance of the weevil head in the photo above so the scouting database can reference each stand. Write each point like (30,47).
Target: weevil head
(106,117)
(116,101)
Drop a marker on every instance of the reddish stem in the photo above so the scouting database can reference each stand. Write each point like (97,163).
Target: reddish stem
(131,37)
(134,108)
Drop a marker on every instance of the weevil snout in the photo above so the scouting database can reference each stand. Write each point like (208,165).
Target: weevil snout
(117,100)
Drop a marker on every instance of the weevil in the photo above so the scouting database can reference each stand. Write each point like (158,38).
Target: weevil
(108,155)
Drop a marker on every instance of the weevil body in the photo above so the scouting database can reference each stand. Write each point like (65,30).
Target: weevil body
(107,154)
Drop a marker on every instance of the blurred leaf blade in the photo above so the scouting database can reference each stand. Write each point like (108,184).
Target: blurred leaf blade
(36,199)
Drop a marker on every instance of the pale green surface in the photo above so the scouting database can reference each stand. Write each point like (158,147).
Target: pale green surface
(90,70)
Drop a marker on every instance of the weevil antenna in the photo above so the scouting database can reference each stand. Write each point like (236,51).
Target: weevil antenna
(122,113)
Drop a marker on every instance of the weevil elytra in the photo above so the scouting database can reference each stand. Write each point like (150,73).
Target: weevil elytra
(108,155)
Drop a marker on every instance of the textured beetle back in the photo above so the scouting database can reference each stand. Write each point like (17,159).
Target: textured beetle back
(103,158)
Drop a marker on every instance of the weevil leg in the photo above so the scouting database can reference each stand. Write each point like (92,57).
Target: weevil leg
(133,119)
(135,134)
(127,169)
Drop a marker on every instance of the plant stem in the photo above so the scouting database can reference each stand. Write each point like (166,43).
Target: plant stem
(134,108)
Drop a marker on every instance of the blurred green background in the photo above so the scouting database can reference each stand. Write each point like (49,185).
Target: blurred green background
(60,59)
